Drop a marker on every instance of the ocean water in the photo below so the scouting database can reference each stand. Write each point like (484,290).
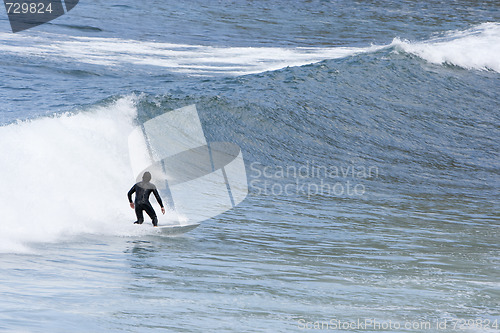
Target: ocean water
(370,132)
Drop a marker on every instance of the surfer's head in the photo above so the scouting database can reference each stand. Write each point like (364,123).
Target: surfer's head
(146,176)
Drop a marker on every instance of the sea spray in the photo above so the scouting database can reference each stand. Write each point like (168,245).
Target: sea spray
(475,48)
(65,174)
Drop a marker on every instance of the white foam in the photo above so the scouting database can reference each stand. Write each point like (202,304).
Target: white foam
(66,175)
(476,48)
(191,59)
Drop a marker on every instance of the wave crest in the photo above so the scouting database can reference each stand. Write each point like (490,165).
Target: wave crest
(476,48)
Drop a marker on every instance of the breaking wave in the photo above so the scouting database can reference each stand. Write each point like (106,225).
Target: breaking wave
(65,175)
(476,48)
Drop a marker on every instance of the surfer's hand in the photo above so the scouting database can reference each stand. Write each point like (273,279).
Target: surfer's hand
(132,205)
(163,210)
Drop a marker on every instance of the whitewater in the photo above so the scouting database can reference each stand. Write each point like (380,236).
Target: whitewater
(66,175)
(475,48)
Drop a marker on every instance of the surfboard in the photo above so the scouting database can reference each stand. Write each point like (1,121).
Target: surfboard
(173,230)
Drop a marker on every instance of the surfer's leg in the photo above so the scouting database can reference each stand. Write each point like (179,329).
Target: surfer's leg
(138,213)
(151,212)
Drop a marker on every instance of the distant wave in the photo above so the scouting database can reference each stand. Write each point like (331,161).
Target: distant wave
(190,59)
(476,48)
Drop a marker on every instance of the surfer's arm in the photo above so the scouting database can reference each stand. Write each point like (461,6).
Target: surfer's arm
(158,198)
(129,194)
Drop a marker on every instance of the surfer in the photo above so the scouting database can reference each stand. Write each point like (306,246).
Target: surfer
(142,192)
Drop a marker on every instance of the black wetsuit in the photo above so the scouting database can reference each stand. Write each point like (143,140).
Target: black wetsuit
(142,192)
